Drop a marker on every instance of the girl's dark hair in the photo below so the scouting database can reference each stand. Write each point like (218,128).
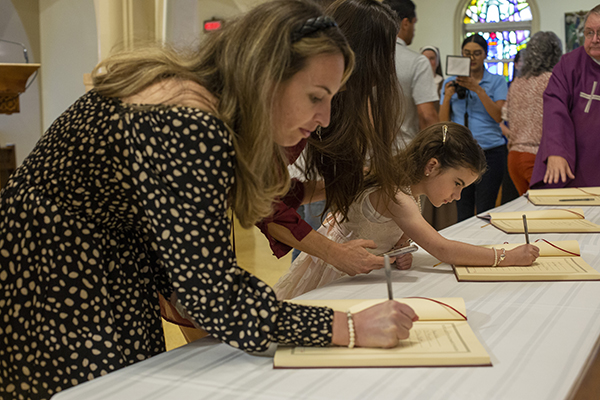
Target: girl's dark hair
(476,38)
(541,55)
(459,150)
(364,114)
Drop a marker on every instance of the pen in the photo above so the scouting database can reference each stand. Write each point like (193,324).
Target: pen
(388,275)
(587,199)
(526,230)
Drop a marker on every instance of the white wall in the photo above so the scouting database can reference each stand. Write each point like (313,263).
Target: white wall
(19,22)
(185,17)
(435,21)
(61,35)
(69,50)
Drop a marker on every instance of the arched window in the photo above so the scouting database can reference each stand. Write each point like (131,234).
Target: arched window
(507,26)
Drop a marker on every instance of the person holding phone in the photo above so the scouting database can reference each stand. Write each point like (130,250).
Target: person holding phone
(476,102)
(440,162)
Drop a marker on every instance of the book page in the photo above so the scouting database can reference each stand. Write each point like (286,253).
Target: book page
(588,196)
(547,226)
(585,191)
(559,213)
(425,309)
(543,269)
(561,248)
(430,343)
(565,200)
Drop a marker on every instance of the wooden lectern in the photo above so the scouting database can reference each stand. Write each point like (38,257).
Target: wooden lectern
(13,78)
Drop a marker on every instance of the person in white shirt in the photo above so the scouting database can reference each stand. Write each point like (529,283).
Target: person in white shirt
(414,74)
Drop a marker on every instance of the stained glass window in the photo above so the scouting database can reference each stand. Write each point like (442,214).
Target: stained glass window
(505,24)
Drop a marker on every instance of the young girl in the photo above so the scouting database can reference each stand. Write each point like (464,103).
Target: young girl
(441,161)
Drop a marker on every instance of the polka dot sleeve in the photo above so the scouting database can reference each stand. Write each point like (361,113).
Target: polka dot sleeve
(185,171)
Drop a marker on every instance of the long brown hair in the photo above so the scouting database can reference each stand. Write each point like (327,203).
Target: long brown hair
(242,66)
(364,117)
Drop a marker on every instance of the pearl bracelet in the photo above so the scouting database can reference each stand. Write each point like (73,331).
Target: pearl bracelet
(498,258)
(351,333)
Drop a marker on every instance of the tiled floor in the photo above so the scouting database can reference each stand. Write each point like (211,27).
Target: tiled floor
(255,256)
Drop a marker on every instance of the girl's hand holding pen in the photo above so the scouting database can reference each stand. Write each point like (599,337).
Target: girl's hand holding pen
(523,255)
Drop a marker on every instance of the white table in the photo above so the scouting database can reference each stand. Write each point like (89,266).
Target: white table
(539,336)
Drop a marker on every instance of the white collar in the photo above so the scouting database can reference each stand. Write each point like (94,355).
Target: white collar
(400,41)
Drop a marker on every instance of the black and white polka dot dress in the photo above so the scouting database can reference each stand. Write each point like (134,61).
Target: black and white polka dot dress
(115,204)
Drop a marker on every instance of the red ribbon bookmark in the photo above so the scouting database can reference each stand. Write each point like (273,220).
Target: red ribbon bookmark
(439,302)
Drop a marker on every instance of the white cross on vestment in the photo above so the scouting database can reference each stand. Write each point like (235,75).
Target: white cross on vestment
(590,97)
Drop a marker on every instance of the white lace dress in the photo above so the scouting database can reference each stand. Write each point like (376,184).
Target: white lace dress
(307,272)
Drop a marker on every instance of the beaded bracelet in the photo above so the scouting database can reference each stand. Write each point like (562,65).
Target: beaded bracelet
(495,257)
(351,333)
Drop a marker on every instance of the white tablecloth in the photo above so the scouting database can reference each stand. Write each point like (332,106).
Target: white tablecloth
(539,336)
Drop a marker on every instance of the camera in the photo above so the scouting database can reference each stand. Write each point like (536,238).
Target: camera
(461,91)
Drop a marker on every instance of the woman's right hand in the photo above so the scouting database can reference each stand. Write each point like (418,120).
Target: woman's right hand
(352,257)
(449,90)
(523,255)
(384,324)
(557,170)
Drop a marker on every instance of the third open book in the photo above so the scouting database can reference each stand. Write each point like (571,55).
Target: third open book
(587,196)
(559,220)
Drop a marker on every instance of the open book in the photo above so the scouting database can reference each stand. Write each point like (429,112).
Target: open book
(558,261)
(441,337)
(560,220)
(587,196)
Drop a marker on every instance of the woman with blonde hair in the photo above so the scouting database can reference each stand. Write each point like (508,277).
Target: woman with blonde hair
(126,196)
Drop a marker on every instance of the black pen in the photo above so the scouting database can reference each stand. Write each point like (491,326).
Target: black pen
(587,199)
(388,275)
(526,230)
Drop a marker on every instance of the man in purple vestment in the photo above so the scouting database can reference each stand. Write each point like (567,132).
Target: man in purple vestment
(569,153)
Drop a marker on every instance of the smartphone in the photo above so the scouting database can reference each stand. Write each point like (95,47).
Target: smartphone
(404,250)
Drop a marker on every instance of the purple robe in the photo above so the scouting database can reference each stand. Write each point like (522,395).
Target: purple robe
(571,127)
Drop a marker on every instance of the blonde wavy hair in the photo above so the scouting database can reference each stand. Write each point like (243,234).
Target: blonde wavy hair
(241,65)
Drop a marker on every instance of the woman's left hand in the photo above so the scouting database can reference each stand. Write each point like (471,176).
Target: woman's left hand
(404,261)
(468,82)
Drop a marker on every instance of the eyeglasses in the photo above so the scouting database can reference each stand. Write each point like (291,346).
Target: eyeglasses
(589,34)
(476,53)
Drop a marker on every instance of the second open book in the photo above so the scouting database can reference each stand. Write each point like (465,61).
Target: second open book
(558,261)
(441,337)
(586,196)
(559,220)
